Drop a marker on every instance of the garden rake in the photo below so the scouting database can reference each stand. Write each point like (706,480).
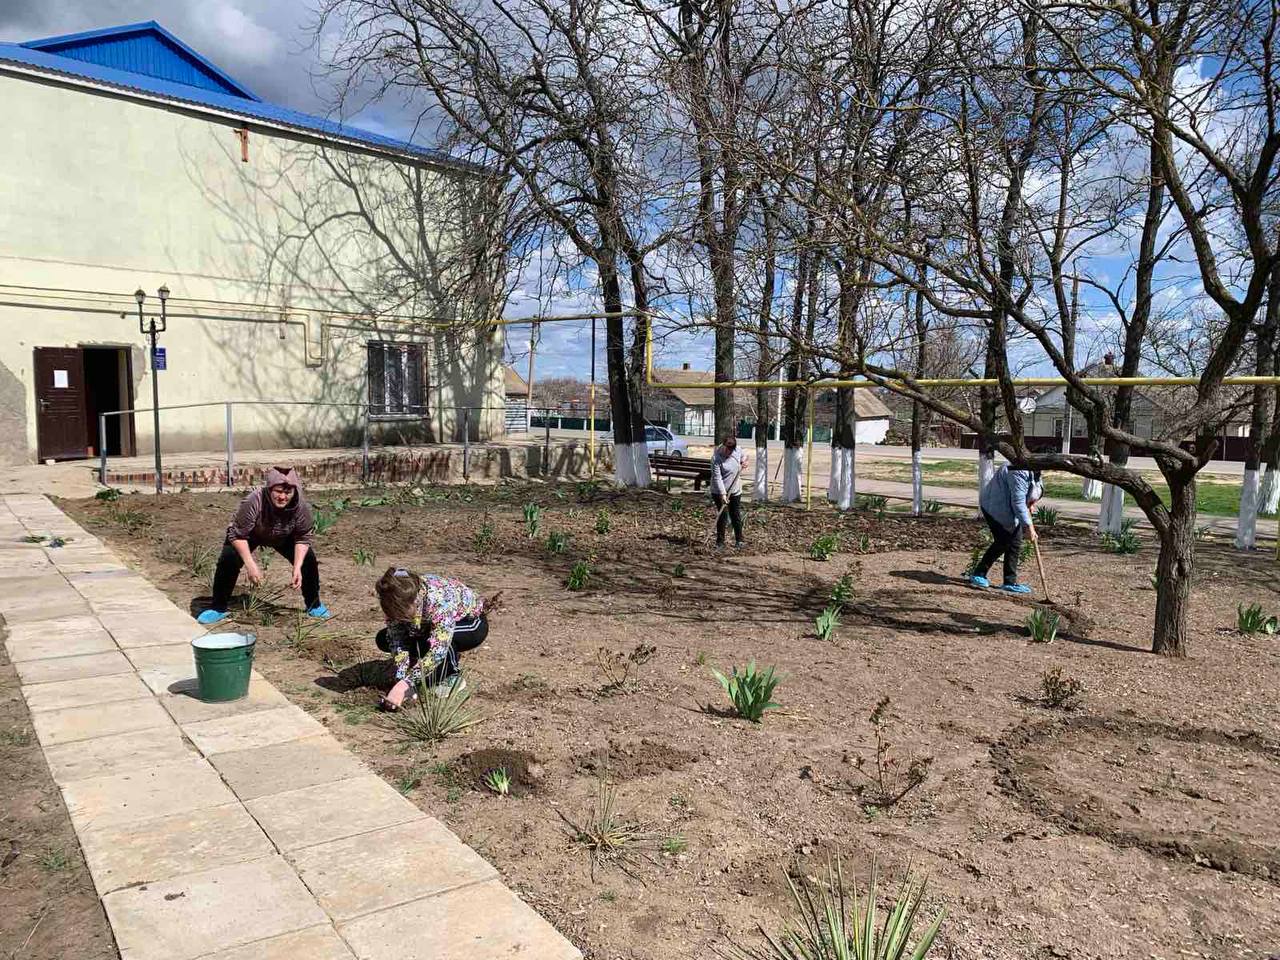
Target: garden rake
(1044,581)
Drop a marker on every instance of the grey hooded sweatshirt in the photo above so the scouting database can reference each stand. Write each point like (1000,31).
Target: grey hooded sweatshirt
(259,521)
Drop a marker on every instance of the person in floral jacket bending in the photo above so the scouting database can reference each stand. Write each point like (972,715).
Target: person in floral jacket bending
(430,620)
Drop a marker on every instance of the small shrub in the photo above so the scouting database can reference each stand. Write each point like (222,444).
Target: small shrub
(1045,516)
(678,570)
(842,592)
(932,506)
(826,623)
(110,494)
(602,521)
(53,859)
(364,558)
(872,501)
(579,576)
(586,489)
(1251,620)
(890,779)
(1059,692)
(616,668)
(609,835)
(1043,625)
(557,541)
(324,521)
(430,718)
(674,846)
(131,520)
(532,519)
(485,536)
(751,691)
(823,547)
(499,781)
(1125,542)
(831,922)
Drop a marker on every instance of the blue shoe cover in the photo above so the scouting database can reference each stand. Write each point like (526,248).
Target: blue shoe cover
(320,612)
(209,617)
(1015,588)
(980,582)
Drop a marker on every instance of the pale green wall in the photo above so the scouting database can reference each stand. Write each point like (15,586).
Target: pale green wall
(99,193)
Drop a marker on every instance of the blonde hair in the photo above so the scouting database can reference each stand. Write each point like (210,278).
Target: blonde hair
(397,590)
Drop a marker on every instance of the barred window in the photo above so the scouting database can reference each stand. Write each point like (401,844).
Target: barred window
(397,379)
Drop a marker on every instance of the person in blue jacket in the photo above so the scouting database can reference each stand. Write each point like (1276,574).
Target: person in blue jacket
(1006,505)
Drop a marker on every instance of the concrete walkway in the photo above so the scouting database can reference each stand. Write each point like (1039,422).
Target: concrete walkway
(236,831)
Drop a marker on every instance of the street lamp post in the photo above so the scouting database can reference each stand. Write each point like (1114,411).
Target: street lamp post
(152,329)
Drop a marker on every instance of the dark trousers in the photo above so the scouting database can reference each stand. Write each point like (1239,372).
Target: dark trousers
(468,634)
(229,564)
(1003,542)
(734,513)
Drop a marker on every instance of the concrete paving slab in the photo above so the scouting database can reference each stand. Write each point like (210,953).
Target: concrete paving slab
(99,720)
(85,692)
(32,599)
(185,706)
(373,871)
(283,767)
(151,628)
(22,563)
(259,729)
(124,854)
(73,668)
(316,943)
(198,913)
(60,637)
(158,791)
(331,811)
(105,756)
(164,666)
(485,921)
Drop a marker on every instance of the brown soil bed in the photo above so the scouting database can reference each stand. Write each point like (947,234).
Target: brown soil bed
(48,907)
(1025,824)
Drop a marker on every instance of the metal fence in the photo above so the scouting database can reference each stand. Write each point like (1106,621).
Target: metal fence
(464,416)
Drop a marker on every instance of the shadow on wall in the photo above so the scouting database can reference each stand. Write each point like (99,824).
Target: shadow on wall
(312,228)
(13,419)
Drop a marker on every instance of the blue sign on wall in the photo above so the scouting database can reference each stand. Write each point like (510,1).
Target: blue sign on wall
(158,359)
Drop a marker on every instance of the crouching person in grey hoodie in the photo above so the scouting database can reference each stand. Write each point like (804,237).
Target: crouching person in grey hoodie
(277,516)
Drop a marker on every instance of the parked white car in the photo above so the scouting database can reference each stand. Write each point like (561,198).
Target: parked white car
(662,440)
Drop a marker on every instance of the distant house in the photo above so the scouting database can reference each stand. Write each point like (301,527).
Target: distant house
(690,411)
(516,392)
(872,416)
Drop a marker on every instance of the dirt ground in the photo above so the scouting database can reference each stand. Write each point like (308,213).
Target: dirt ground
(50,910)
(1139,825)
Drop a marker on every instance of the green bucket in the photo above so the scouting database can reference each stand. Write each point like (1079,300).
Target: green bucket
(223,662)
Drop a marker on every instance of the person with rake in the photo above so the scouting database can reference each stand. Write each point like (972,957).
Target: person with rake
(727,465)
(1007,502)
(430,620)
(275,515)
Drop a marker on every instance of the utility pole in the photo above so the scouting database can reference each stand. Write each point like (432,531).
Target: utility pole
(151,329)
(533,348)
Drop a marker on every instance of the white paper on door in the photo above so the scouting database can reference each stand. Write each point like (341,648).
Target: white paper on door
(60,379)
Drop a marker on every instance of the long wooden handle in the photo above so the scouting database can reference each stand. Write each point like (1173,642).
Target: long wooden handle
(1044,581)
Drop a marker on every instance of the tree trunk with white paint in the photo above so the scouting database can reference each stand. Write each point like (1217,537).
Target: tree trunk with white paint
(762,474)
(1091,489)
(1247,521)
(986,470)
(917,483)
(1269,496)
(792,474)
(835,475)
(1111,510)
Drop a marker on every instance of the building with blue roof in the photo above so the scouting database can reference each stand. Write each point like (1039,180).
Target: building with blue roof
(304,259)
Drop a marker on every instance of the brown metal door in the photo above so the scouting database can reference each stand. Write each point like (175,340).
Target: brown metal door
(60,422)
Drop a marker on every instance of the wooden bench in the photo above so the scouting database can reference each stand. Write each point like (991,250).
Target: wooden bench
(682,468)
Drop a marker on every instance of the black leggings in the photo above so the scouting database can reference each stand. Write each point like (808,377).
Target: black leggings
(1003,541)
(229,564)
(468,634)
(734,513)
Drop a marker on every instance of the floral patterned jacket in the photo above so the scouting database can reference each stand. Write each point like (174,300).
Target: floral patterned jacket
(440,604)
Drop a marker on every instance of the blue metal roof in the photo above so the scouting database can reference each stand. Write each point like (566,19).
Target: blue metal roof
(144,48)
(144,58)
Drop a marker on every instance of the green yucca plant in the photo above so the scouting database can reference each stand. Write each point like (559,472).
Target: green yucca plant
(431,718)
(932,506)
(1251,620)
(532,519)
(557,540)
(832,922)
(1043,625)
(826,623)
(579,576)
(751,691)
(1045,516)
